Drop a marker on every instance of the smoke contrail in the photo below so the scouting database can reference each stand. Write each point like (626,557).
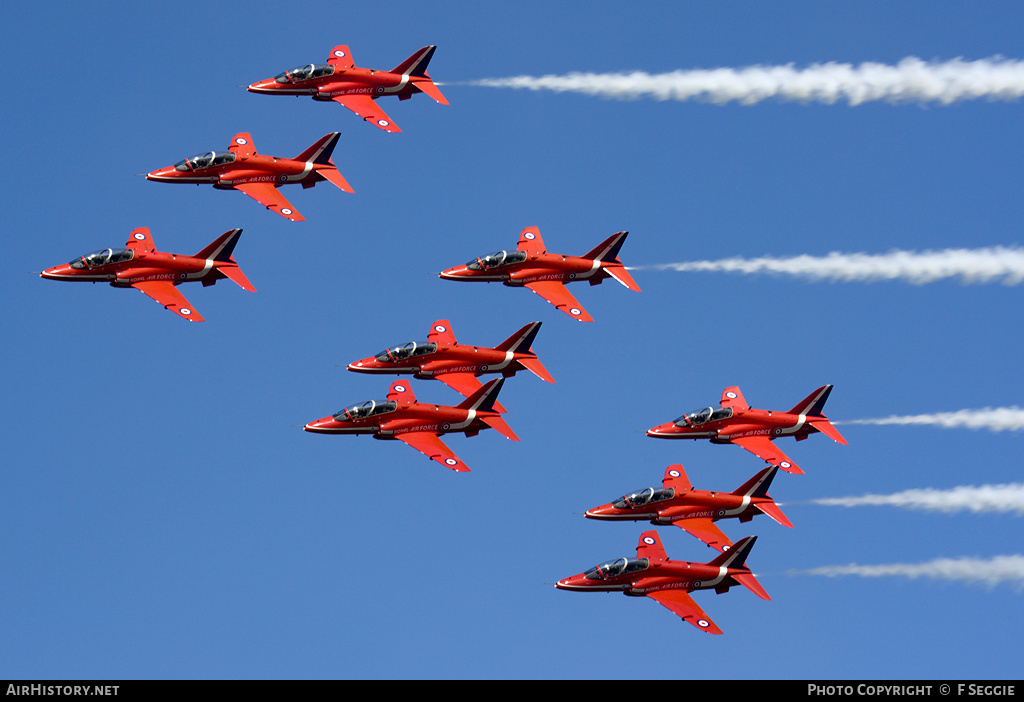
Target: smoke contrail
(990,572)
(991,418)
(985,498)
(997,263)
(911,80)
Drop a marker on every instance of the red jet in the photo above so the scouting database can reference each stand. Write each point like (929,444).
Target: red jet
(259,177)
(458,365)
(356,88)
(753,429)
(668,583)
(155,273)
(419,424)
(695,511)
(544,273)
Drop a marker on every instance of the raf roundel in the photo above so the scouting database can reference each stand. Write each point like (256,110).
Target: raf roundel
(451,461)
(339,54)
(286,211)
(674,473)
(399,388)
(576,310)
(529,235)
(731,395)
(649,540)
(785,464)
(186,311)
(704,623)
(446,426)
(241,141)
(382,122)
(140,237)
(440,328)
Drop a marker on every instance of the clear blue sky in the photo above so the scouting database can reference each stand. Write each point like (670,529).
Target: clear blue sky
(162,514)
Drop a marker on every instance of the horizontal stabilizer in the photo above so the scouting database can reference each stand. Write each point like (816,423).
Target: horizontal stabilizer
(235,274)
(773,511)
(427,86)
(534,365)
(622,275)
(496,422)
(748,581)
(331,174)
(826,428)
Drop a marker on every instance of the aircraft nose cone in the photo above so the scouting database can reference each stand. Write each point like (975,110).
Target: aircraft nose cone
(261,86)
(662,430)
(161,174)
(319,425)
(363,365)
(455,272)
(56,272)
(574,582)
(601,512)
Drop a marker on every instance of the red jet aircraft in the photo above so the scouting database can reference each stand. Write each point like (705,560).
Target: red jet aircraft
(259,177)
(753,429)
(419,424)
(356,88)
(458,365)
(155,273)
(667,582)
(544,273)
(695,511)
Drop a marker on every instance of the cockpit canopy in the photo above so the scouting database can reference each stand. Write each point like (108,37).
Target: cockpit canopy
(400,353)
(642,497)
(210,158)
(307,72)
(367,409)
(708,414)
(102,257)
(498,258)
(610,569)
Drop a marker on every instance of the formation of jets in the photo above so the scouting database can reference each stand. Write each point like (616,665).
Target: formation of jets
(421,425)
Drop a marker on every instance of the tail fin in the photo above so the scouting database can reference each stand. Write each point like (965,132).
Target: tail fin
(757,487)
(483,399)
(522,340)
(813,404)
(607,252)
(222,247)
(736,559)
(519,344)
(220,251)
(416,65)
(320,152)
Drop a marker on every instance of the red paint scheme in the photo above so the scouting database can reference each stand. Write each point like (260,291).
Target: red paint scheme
(458,365)
(356,88)
(259,177)
(753,429)
(419,424)
(695,511)
(544,273)
(652,574)
(155,273)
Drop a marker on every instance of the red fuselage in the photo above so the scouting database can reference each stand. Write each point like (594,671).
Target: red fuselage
(343,81)
(387,424)
(456,358)
(748,422)
(536,267)
(692,504)
(140,267)
(245,169)
(652,577)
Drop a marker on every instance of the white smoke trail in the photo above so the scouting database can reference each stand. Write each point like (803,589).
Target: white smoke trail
(998,263)
(985,498)
(991,572)
(991,418)
(911,80)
